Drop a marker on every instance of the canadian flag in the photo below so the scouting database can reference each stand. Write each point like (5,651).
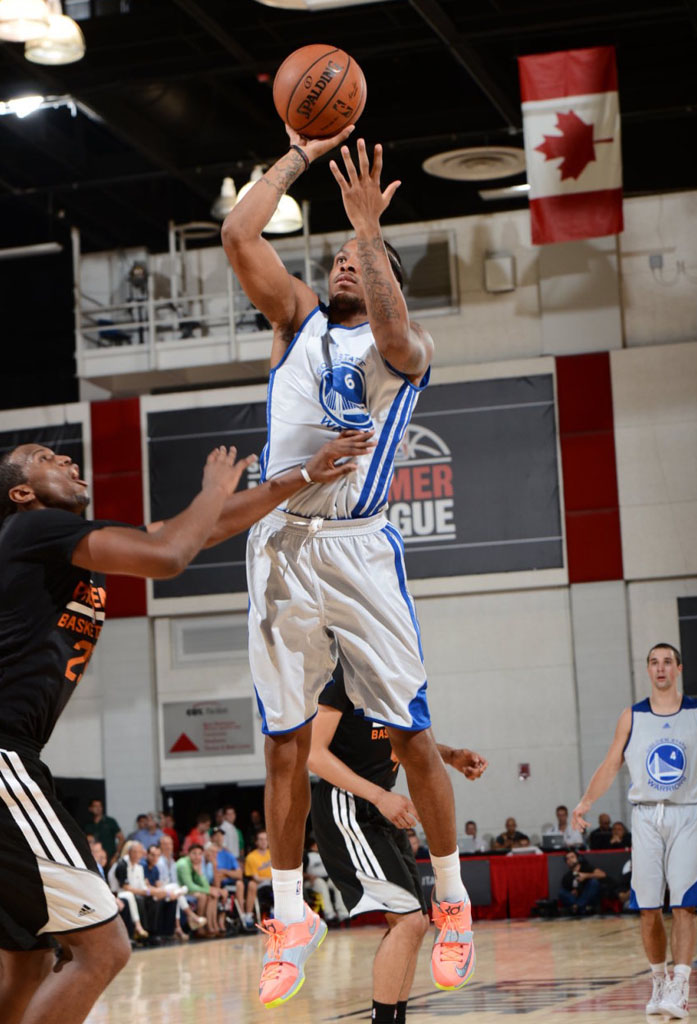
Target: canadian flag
(571,125)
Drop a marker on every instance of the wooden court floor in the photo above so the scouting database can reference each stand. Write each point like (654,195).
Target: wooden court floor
(575,971)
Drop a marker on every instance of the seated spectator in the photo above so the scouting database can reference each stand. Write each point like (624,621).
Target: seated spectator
(480,845)
(168,828)
(105,830)
(199,834)
(234,841)
(563,828)
(163,912)
(191,872)
(167,867)
(623,886)
(152,833)
(580,886)
(257,873)
(140,829)
(599,838)
(511,839)
(128,878)
(620,838)
(417,848)
(256,824)
(227,874)
(315,873)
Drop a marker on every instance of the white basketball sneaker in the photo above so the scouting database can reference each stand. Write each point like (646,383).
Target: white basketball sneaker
(659,984)
(674,999)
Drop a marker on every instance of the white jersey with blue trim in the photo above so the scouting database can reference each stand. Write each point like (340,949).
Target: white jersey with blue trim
(661,754)
(333,378)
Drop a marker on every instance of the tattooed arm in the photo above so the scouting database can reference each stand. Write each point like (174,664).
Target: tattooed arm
(405,345)
(283,300)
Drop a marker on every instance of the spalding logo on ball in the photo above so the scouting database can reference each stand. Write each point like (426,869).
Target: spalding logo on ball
(319,90)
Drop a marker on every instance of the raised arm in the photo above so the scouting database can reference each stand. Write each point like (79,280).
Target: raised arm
(605,773)
(396,808)
(167,552)
(403,344)
(283,300)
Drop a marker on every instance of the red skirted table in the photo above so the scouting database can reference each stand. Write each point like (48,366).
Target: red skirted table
(517,882)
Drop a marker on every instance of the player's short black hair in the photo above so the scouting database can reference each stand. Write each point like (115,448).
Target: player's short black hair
(396,263)
(11,474)
(676,652)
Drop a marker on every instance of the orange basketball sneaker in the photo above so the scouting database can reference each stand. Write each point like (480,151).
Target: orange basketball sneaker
(452,959)
(287,949)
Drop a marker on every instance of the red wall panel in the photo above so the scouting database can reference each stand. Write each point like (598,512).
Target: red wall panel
(118,488)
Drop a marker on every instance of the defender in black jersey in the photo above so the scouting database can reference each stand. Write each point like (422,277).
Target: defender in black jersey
(359,825)
(52,609)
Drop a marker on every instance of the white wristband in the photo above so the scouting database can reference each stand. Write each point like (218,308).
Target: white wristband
(305,475)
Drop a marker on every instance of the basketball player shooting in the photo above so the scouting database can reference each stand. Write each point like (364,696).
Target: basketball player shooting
(326,570)
(52,609)
(657,738)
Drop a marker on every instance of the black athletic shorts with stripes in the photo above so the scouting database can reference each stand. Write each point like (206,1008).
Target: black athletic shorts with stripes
(49,882)
(369,860)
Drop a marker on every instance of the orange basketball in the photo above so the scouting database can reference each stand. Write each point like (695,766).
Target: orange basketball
(318,90)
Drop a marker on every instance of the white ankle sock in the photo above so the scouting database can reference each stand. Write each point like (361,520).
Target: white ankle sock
(449,885)
(658,968)
(682,971)
(288,894)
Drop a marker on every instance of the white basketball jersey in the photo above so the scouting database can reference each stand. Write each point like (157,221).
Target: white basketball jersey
(661,754)
(333,378)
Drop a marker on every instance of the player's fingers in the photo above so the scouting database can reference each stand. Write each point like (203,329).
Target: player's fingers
(390,191)
(333,167)
(377,163)
(345,468)
(349,165)
(248,461)
(231,455)
(363,162)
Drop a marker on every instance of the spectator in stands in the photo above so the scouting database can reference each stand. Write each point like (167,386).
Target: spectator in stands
(599,838)
(199,834)
(480,845)
(580,886)
(256,824)
(511,839)
(620,838)
(233,839)
(162,910)
(417,847)
(167,867)
(257,872)
(623,886)
(129,879)
(140,831)
(318,880)
(105,830)
(563,828)
(227,873)
(150,833)
(191,873)
(167,825)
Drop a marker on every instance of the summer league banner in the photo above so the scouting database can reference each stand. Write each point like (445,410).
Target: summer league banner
(475,488)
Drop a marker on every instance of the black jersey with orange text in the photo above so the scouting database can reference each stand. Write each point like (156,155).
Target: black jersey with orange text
(361,744)
(51,615)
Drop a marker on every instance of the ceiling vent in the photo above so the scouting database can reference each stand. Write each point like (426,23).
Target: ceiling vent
(476,163)
(315,5)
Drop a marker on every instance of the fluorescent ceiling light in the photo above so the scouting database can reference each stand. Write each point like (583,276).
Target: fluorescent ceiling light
(17,252)
(22,19)
(22,106)
(509,192)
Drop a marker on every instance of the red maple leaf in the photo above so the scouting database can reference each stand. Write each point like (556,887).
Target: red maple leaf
(575,145)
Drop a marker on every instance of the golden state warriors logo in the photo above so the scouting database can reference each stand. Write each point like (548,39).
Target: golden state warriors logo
(665,764)
(342,394)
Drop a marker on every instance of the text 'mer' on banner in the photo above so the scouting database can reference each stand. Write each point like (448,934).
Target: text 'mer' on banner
(571,124)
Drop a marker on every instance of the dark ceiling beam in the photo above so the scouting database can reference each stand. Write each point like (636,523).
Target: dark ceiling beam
(465,54)
(691,6)
(213,27)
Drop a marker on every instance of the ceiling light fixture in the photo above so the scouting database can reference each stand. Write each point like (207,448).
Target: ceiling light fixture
(287,217)
(315,5)
(509,192)
(62,42)
(225,201)
(476,163)
(22,106)
(22,19)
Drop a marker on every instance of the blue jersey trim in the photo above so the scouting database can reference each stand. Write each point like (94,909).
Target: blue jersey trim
(277,732)
(387,469)
(643,705)
(394,537)
(686,704)
(417,387)
(378,454)
(297,334)
(418,707)
(343,327)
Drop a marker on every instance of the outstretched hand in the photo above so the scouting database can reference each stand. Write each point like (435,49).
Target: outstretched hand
(221,469)
(325,466)
(471,764)
(313,148)
(364,200)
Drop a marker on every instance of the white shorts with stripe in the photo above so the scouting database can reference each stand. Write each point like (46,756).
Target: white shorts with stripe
(324,588)
(49,882)
(664,852)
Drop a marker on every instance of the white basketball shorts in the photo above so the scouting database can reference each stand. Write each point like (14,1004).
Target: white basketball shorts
(320,589)
(664,852)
